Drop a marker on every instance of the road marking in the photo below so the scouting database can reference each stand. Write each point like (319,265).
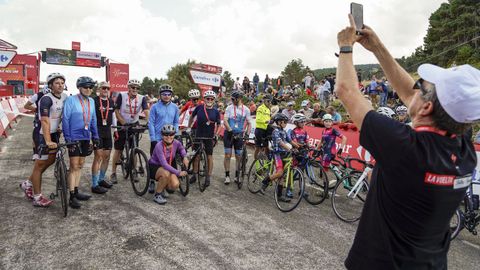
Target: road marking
(471,244)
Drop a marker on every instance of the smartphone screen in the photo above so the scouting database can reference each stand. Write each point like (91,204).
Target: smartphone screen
(357,12)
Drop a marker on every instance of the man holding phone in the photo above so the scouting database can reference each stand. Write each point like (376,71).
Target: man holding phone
(421,173)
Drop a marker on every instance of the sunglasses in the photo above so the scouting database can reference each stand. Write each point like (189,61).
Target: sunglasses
(105,88)
(87,86)
(209,98)
(134,87)
(419,85)
(166,94)
(168,135)
(194,99)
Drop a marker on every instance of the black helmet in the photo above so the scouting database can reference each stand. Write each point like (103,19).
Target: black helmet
(85,81)
(168,129)
(279,117)
(165,88)
(237,94)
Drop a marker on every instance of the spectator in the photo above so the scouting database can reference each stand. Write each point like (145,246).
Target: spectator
(266,83)
(383,92)
(252,107)
(237,86)
(306,109)
(307,81)
(256,80)
(289,111)
(373,90)
(317,115)
(336,117)
(246,85)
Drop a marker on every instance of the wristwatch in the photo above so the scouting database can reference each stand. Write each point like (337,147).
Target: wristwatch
(346,49)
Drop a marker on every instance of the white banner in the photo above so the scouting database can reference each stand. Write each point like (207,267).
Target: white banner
(6,57)
(89,55)
(205,78)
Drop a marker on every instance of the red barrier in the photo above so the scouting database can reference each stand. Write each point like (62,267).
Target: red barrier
(20,102)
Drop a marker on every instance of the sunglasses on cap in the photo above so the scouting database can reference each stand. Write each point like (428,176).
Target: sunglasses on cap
(419,85)
(166,94)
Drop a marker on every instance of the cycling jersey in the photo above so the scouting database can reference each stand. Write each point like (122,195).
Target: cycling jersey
(51,106)
(188,108)
(160,115)
(130,108)
(328,139)
(104,109)
(206,123)
(262,117)
(236,117)
(299,135)
(165,157)
(79,121)
(279,136)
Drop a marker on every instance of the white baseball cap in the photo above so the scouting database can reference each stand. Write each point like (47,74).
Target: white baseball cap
(458,90)
(290,103)
(305,102)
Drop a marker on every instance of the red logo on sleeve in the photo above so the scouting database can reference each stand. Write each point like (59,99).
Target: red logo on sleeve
(439,179)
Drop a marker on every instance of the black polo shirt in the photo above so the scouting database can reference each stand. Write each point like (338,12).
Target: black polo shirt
(418,181)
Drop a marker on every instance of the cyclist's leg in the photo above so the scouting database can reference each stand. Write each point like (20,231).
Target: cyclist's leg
(77,154)
(118,146)
(227,143)
(106,149)
(260,135)
(238,146)
(208,144)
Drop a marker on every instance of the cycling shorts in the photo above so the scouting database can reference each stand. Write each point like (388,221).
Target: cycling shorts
(84,149)
(261,137)
(40,140)
(279,160)
(208,146)
(119,142)
(105,143)
(229,142)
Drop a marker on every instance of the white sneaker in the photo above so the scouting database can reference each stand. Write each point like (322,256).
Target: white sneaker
(227,180)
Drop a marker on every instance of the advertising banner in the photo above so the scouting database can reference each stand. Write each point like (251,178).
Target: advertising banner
(12,73)
(6,57)
(31,63)
(61,57)
(118,75)
(200,77)
(207,68)
(75,45)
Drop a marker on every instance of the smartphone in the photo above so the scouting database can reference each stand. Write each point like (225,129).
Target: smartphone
(357,12)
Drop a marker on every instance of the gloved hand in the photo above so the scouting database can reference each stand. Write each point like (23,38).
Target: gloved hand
(96,143)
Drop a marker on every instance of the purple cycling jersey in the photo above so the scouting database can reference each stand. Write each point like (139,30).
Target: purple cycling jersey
(162,156)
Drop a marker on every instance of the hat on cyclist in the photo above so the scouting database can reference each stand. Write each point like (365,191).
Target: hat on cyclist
(237,94)
(53,76)
(194,93)
(168,129)
(279,117)
(305,102)
(401,110)
(386,111)
(104,84)
(327,117)
(299,118)
(165,88)
(134,82)
(85,82)
(209,93)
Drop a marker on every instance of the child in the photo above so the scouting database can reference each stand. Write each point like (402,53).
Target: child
(327,142)
(298,134)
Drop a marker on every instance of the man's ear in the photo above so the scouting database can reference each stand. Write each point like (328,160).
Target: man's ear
(427,109)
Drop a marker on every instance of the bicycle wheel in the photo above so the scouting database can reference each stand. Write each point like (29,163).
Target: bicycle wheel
(349,208)
(184,187)
(315,192)
(140,173)
(124,164)
(202,171)
(257,172)
(62,185)
(456,224)
(243,168)
(288,194)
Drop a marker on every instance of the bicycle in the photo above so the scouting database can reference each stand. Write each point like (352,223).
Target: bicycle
(243,159)
(349,194)
(469,216)
(60,174)
(201,175)
(293,182)
(184,187)
(315,191)
(133,160)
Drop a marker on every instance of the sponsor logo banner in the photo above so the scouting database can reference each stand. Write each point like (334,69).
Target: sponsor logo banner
(200,77)
(118,75)
(89,55)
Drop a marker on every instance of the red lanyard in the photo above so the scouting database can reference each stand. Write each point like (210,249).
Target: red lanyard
(86,118)
(206,114)
(134,108)
(235,112)
(171,153)
(434,130)
(106,110)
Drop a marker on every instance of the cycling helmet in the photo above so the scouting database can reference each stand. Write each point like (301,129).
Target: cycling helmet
(327,117)
(401,110)
(134,82)
(165,88)
(279,117)
(168,129)
(237,94)
(85,81)
(209,93)
(193,93)
(299,118)
(53,76)
(386,111)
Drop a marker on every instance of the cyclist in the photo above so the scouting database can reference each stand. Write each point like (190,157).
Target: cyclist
(194,96)
(402,112)
(79,123)
(104,109)
(128,108)
(262,118)
(50,108)
(208,119)
(281,145)
(162,163)
(237,122)
(298,134)
(161,113)
(32,105)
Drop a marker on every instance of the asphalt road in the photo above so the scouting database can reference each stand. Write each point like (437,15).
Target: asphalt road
(222,228)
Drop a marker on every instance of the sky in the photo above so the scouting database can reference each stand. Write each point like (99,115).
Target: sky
(242,36)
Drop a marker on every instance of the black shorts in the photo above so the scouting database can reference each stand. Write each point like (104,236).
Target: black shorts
(152,146)
(83,150)
(261,137)
(208,146)
(229,142)
(40,140)
(154,168)
(119,143)
(105,143)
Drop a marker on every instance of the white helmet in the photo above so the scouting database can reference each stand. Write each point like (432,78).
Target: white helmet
(327,117)
(53,76)
(386,111)
(134,82)
(193,93)
(209,93)
(298,118)
(401,109)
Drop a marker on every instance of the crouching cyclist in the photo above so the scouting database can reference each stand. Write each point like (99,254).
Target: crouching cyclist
(281,145)
(162,163)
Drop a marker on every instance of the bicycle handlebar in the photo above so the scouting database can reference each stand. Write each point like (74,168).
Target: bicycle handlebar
(59,145)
